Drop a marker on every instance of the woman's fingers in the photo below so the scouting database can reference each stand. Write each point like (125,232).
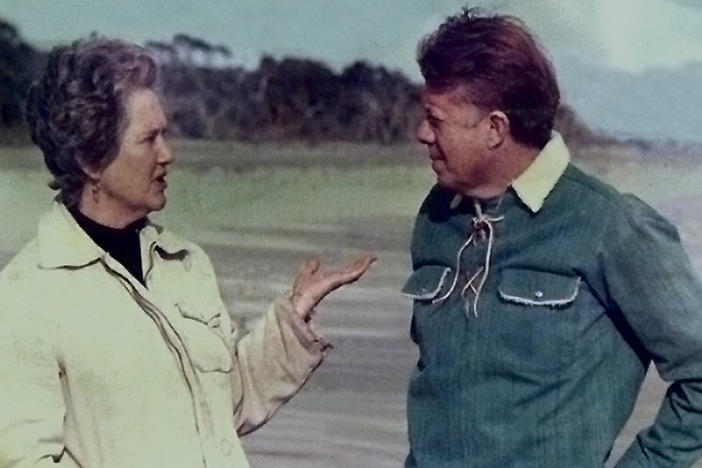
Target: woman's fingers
(309,266)
(312,283)
(351,272)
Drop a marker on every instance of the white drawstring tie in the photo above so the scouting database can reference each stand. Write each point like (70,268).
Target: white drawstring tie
(481,223)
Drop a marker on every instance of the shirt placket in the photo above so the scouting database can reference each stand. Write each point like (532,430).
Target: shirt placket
(473,259)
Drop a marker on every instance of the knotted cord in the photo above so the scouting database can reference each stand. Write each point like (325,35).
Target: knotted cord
(481,223)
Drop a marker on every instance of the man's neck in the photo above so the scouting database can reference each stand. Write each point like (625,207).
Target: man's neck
(509,163)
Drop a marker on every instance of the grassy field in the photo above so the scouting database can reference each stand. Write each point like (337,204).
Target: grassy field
(260,210)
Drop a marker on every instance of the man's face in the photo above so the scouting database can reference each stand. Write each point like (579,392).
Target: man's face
(455,132)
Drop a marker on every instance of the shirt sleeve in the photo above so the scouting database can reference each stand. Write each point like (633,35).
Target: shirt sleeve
(31,400)
(651,282)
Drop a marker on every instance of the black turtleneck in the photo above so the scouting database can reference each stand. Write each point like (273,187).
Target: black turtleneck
(121,244)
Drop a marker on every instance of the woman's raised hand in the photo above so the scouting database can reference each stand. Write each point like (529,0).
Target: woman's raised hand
(313,282)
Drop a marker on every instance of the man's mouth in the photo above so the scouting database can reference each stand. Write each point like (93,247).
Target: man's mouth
(437,164)
(435,156)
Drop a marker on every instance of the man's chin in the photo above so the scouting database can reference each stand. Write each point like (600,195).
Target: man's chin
(446,183)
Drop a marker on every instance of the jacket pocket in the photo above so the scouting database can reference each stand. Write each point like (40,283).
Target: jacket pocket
(428,282)
(205,345)
(535,320)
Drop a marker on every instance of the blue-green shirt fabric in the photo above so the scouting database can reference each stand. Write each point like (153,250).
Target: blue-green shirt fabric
(580,297)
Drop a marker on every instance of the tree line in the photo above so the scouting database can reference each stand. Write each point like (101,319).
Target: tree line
(208,96)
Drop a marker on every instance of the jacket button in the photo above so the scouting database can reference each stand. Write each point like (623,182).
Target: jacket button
(226,447)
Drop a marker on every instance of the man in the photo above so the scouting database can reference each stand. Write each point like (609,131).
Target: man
(541,294)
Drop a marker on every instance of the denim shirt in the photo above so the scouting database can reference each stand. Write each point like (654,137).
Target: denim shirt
(533,355)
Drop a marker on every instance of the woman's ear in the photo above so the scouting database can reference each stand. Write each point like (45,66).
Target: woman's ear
(93,173)
(498,131)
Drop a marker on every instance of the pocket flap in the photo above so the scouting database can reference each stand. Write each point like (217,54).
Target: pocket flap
(209,315)
(533,287)
(428,282)
(206,346)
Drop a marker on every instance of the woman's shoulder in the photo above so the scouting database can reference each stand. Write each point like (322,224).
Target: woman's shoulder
(171,242)
(22,267)
(23,284)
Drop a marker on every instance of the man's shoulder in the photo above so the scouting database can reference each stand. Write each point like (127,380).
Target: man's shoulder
(587,185)
(594,194)
(599,198)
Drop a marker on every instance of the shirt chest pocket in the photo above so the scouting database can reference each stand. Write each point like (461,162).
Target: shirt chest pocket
(436,313)
(428,283)
(534,319)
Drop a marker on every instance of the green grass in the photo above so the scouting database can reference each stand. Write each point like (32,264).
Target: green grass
(222,186)
(307,186)
(293,196)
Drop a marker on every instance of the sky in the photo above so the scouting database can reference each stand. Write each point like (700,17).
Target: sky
(627,36)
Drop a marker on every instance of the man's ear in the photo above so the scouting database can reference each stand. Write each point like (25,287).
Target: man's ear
(498,131)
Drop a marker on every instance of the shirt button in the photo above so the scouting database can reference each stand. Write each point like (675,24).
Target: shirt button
(226,447)
(539,294)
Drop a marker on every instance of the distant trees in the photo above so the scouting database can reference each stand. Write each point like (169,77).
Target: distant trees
(190,51)
(19,63)
(574,130)
(207,95)
(291,98)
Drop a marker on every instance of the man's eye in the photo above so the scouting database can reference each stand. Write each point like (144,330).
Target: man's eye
(433,121)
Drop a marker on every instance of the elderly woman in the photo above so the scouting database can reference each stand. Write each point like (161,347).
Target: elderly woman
(115,347)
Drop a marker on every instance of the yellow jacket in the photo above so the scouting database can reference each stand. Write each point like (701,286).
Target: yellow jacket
(97,370)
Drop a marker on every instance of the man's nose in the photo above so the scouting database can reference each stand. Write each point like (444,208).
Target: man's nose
(424,133)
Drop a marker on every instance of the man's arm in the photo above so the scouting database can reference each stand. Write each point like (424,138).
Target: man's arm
(650,280)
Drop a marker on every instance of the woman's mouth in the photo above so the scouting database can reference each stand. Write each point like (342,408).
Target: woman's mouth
(161,180)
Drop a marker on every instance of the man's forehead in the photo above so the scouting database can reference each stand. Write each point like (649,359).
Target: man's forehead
(456,96)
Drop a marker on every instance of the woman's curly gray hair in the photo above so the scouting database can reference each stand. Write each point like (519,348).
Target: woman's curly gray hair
(76,109)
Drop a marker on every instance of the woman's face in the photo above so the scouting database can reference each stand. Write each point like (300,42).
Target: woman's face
(133,184)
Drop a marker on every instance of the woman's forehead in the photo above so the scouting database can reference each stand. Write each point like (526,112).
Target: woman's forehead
(144,110)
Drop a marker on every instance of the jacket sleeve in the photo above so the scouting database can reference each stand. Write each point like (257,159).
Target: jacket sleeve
(31,400)
(271,362)
(651,282)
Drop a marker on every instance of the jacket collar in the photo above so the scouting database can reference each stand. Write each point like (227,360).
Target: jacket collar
(534,184)
(62,242)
